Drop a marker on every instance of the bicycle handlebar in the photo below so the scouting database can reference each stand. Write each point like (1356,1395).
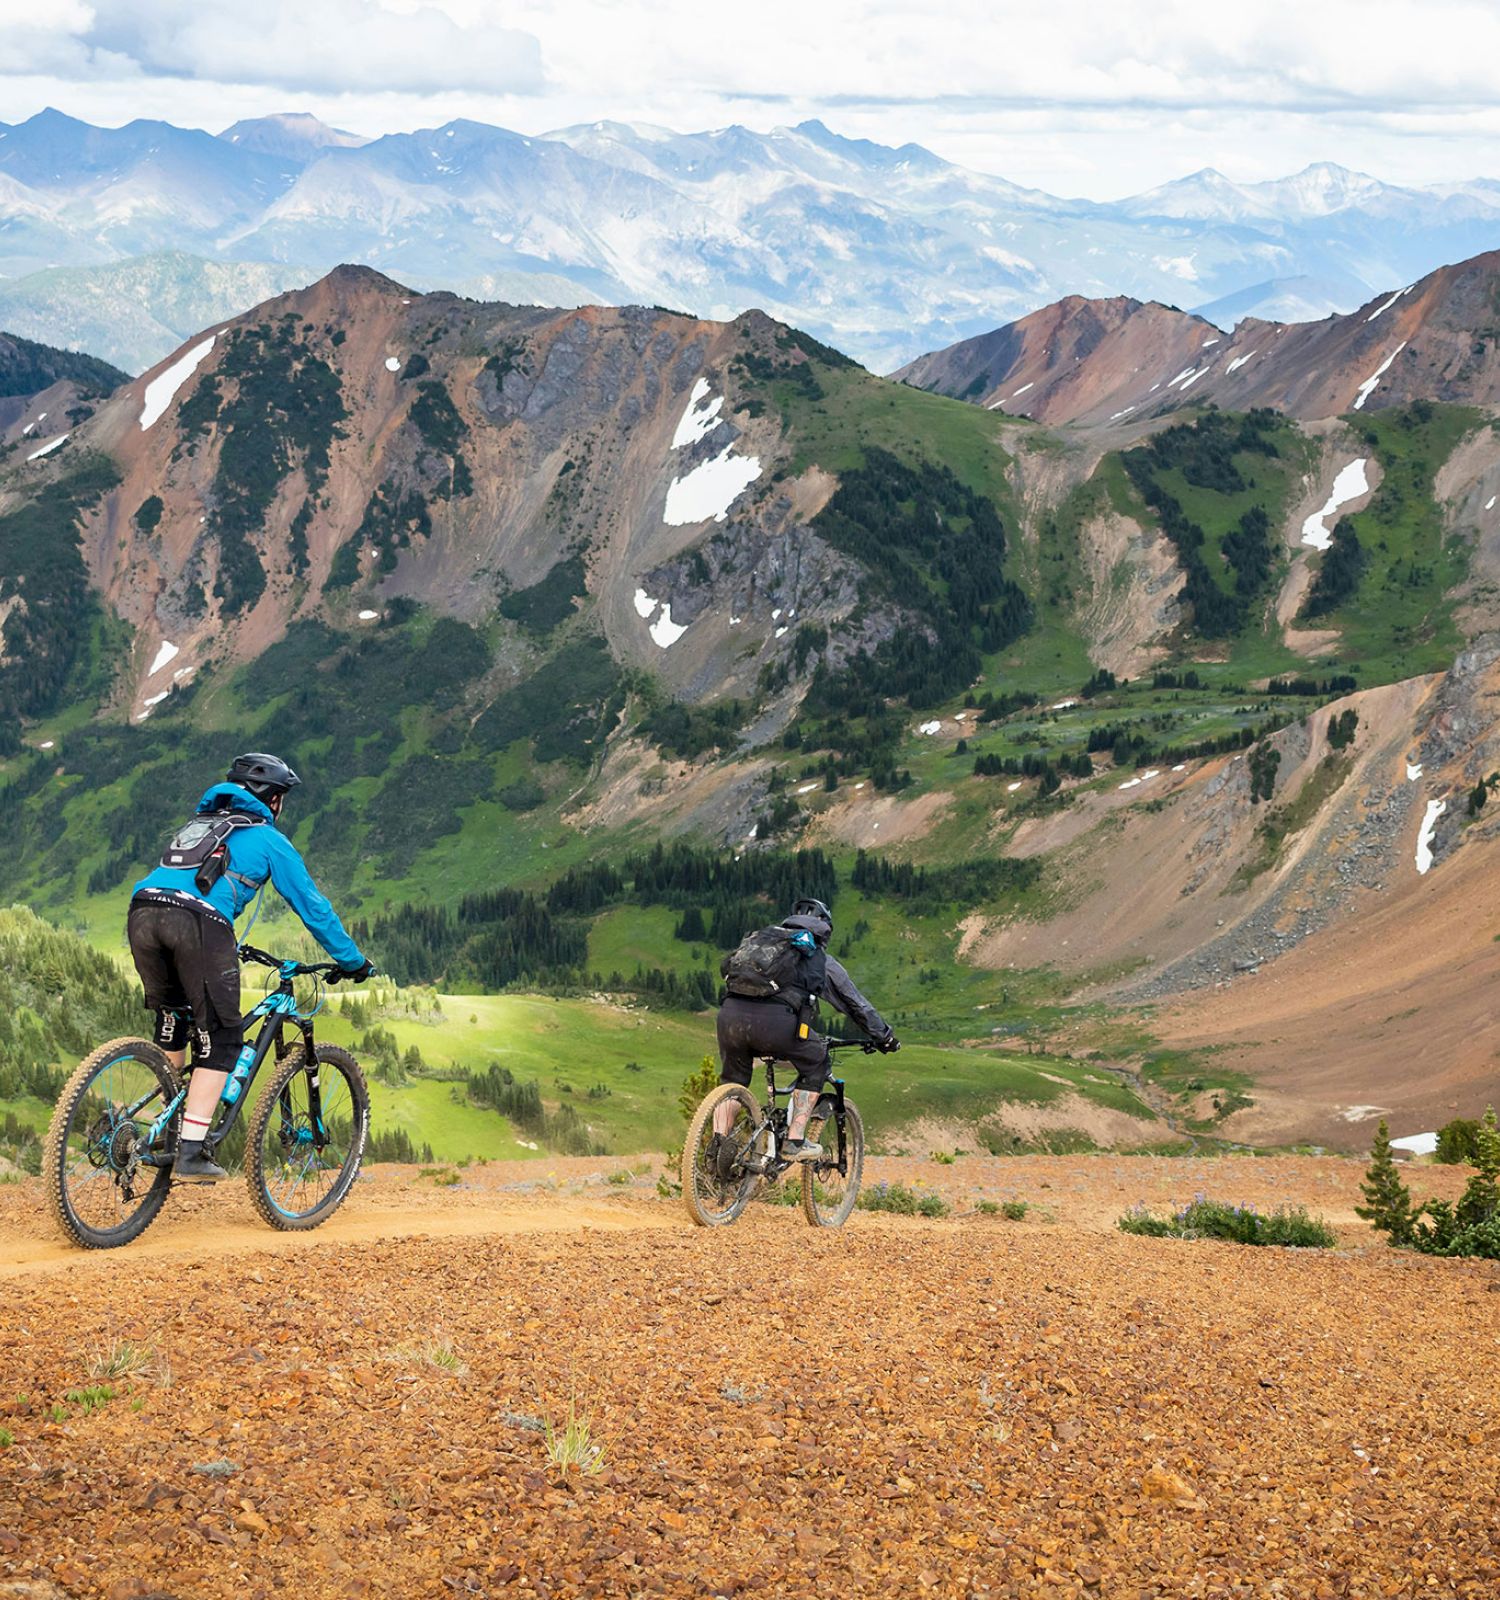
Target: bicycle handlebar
(867,1045)
(330,971)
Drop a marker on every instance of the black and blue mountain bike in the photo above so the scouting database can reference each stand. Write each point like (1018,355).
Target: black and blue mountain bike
(107,1160)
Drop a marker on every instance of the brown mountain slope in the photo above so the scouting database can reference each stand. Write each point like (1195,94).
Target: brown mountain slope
(1335,944)
(356,442)
(1118,362)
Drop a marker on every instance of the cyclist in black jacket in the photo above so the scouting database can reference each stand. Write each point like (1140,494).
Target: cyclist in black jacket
(772,1027)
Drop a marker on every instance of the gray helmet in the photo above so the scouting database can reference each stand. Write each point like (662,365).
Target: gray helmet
(263,775)
(808,907)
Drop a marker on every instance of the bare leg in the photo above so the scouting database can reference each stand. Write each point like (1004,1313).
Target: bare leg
(724,1115)
(178,1058)
(203,1095)
(803,1101)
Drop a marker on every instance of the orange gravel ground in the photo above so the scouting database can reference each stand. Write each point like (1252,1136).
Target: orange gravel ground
(968,1407)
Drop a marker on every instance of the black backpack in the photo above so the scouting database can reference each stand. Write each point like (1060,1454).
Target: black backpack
(200,846)
(772,961)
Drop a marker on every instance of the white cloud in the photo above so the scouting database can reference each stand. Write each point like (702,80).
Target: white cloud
(339,45)
(1071,96)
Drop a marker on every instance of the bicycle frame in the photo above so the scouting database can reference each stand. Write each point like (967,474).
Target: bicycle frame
(775,1122)
(277,1009)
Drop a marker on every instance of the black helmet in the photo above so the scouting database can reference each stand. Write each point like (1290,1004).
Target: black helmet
(263,775)
(807,907)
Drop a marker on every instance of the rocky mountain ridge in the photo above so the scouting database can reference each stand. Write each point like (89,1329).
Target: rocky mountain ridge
(1117,362)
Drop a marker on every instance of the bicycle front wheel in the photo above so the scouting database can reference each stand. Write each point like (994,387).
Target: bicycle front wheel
(716,1185)
(101,1190)
(830,1186)
(307,1138)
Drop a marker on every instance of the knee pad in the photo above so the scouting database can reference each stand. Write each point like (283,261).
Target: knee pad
(173,1029)
(216,1047)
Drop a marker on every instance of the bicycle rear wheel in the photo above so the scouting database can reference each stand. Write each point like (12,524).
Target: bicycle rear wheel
(100,1192)
(716,1187)
(829,1195)
(302,1157)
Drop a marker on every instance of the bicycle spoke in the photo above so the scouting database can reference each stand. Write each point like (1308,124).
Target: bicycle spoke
(103,1184)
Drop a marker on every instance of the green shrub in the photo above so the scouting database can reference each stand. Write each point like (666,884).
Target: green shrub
(1014,1210)
(904,1202)
(1458,1142)
(1213,1219)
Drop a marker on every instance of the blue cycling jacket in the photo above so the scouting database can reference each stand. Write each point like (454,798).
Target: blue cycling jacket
(253,856)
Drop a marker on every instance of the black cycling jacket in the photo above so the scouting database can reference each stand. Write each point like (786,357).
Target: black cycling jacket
(838,987)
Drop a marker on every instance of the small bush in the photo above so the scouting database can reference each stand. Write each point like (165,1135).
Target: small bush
(903,1202)
(1458,1142)
(987,1208)
(1014,1210)
(1213,1219)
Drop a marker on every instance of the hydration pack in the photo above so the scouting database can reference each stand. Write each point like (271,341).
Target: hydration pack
(200,845)
(772,961)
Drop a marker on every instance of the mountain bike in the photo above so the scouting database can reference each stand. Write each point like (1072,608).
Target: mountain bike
(107,1160)
(719,1179)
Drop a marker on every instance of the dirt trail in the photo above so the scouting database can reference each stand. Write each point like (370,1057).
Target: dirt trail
(207,1237)
(999,1408)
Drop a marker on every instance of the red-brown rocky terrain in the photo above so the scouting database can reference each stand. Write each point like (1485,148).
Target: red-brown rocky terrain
(969,1407)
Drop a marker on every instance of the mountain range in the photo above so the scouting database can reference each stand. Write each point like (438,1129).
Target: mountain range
(1147,707)
(109,236)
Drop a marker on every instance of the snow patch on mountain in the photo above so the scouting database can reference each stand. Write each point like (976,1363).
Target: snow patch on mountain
(162,388)
(165,654)
(708,491)
(698,420)
(1350,484)
(1435,809)
(1387,304)
(664,631)
(1367,388)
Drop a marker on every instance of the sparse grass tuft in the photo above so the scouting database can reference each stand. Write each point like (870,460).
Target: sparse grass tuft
(7,1438)
(1014,1210)
(573,1446)
(438,1353)
(123,1359)
(619,1179)
(92,1399)
(988,1208)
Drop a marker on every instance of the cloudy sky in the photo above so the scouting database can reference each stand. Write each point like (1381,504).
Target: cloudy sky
(1072,96)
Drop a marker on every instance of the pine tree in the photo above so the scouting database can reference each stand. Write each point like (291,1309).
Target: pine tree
(1389,1208)
(1487,1146)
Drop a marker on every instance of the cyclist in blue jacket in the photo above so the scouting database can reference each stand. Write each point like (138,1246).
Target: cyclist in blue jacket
(182,938)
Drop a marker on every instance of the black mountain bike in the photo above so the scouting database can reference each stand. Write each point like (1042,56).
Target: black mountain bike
(107,1160)
(720,1179)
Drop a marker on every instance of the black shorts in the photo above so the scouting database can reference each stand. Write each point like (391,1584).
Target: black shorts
(751,1028)
(188,961)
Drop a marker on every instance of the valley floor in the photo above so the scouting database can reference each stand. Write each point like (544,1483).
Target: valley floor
(965,1408)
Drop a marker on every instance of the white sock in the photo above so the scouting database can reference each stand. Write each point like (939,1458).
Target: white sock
(194,1129)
